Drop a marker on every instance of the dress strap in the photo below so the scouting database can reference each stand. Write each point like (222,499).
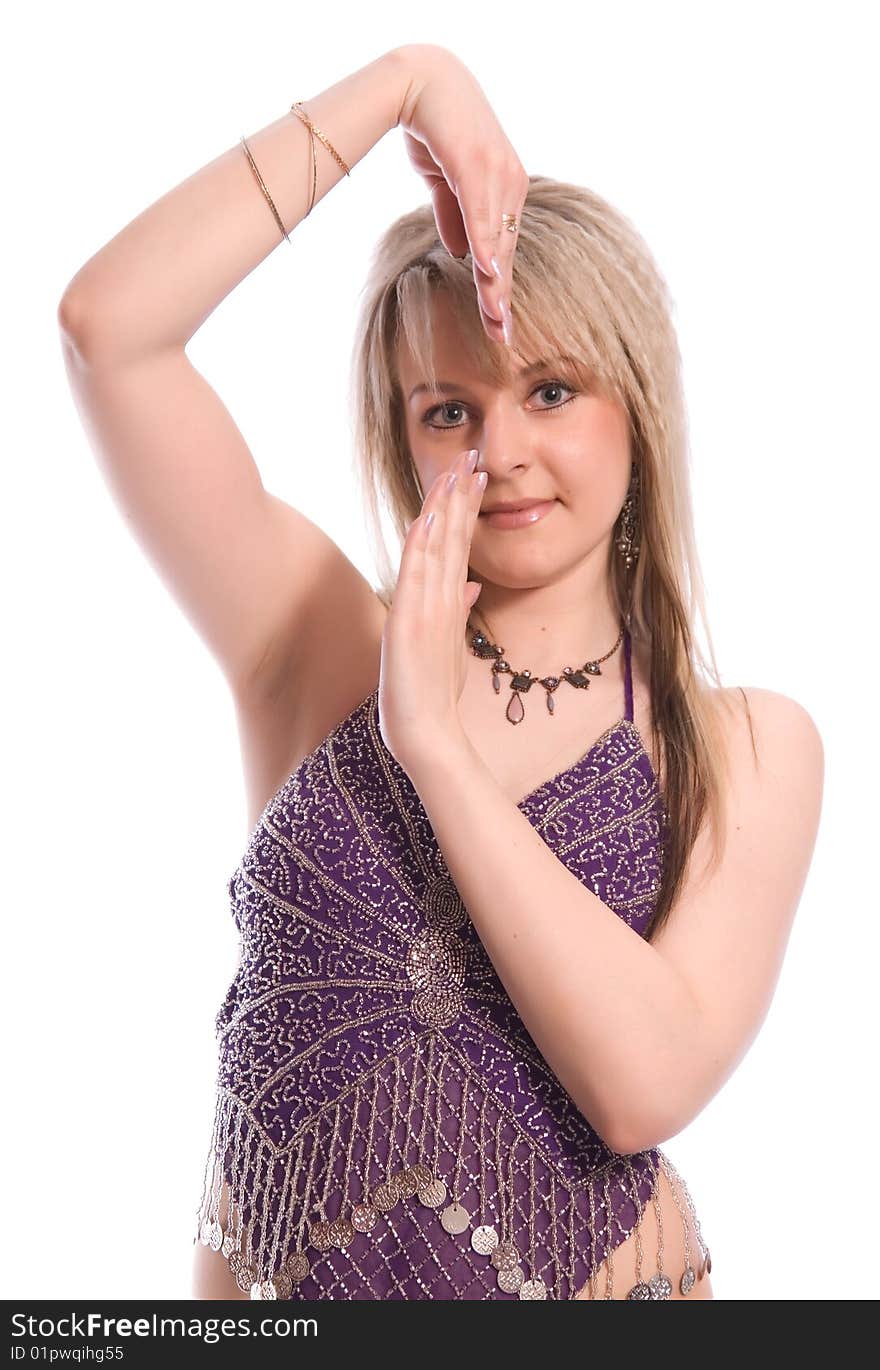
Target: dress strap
(627,676)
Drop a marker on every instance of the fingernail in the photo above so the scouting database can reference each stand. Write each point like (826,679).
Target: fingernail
(471,460)
(495,267)
(506,321)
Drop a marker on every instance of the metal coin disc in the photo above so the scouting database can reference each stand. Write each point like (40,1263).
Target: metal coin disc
(364,1217)
(406,1183)
(268,1290)
(433,1195)
(505,1255)
(398,1184)
(341,1232)
(640,1291)
(205,1233)
(216,1236)
(236,1261)
(484,1239)
(283,1284)
(228,1248)
(421,1174)
(688,1280)
(455,1218)
(533,1289)
(319,1236)
(510,1278)
(298,1266)
(708,1262)
(244,1278)
(384,1197)
(661,1286)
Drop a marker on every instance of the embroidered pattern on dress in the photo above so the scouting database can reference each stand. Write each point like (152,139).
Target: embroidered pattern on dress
(384,1122)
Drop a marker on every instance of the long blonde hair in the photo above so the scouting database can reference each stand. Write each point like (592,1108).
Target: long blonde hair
(586,288)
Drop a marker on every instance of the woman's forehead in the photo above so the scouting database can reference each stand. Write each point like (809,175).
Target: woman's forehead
(453,349)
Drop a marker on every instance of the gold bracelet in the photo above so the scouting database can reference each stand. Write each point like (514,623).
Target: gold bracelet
(314,189)
(314,132)
(297,108)
(262,185)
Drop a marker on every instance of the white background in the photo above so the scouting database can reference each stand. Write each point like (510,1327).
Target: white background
(741,140)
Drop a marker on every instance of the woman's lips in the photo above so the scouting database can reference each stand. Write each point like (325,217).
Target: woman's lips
(518,518)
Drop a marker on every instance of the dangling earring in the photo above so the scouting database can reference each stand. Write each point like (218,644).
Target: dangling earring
(628,542)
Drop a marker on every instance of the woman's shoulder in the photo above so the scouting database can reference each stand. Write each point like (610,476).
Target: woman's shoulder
(773,727)
(771,707)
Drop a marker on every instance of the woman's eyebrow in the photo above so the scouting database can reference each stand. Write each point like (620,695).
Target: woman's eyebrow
(451,387)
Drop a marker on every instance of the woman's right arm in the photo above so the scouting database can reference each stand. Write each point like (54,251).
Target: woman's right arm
(235,557)
(153,285)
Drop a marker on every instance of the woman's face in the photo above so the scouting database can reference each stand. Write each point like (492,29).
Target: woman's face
(538,439)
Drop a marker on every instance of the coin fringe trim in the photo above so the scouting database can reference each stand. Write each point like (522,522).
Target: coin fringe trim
(288,1207)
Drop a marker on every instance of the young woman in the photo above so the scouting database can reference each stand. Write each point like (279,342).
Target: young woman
(484,973)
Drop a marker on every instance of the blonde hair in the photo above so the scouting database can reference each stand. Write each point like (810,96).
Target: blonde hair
(585,288)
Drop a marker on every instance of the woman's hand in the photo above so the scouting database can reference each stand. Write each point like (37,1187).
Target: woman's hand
(424,649)
(456,143)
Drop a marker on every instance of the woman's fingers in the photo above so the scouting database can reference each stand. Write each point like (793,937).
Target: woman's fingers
(477,197)
(462,507)
(484,202)
(511,202)
(452,134)
(502,263)
(448,540)
(450,225)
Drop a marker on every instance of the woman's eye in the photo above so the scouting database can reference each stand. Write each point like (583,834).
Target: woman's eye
(555,385)
(456,406)
(439,409)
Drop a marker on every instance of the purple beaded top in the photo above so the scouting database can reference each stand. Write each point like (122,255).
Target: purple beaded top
(385,1124)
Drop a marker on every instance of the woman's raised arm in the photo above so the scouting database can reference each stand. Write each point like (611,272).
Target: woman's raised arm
(246,567)
(241,562)
(154,284)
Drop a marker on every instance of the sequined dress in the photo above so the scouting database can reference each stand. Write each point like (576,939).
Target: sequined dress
(385,1124)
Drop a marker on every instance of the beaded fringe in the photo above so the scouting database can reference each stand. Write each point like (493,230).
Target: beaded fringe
(398,1153)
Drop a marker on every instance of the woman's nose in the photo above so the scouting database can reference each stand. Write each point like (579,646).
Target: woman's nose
(499,438)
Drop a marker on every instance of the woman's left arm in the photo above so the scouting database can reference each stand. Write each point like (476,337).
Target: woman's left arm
(641,1035)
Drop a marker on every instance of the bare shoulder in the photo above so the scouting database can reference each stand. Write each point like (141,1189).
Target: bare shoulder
(775,762)
(776,731)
